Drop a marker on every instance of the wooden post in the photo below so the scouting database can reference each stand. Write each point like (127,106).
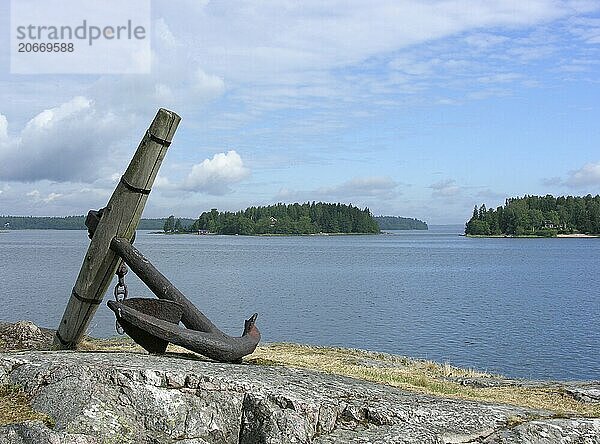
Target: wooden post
(119,219)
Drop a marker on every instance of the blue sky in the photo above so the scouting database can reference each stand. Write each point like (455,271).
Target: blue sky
(418,109)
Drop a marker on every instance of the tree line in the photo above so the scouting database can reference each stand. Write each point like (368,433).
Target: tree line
(400,223)
(68,223)
(306,218)
(538,216)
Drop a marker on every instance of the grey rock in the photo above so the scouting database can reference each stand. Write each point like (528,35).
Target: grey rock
(36,432)
(139,398)
(550,431)
(24,335)
(585,392)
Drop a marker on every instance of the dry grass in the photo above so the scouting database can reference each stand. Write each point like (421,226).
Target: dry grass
(15,407)
(117,344)
(419,376)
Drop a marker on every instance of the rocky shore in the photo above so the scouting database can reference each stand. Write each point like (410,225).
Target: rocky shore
(131,397)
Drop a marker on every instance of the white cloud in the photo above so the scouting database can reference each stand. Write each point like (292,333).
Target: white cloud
(163,33)
(51,117)
(358,188)
(412,67)
(274,38)
(588,29)
(324,60)
(587,175)
(485,40)
(281,55)
(214,176)
(207,86)
(374,186)
(176,81)
(51,197)
(36,196)
(445,188)
(500,78)
(72,141)
(3,129)
(551,181)
(491,194)
(162,182)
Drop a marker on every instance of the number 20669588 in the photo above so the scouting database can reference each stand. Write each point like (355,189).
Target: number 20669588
(46,47)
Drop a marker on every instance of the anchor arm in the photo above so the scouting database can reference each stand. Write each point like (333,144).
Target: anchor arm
(219,347)
(192,318)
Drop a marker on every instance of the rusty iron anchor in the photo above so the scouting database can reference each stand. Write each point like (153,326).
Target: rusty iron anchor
(153,323)
(200,336)
(145,328)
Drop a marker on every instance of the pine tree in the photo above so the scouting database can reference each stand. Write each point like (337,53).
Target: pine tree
(169,225)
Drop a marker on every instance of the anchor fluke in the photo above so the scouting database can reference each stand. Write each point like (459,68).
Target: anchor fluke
(219,347)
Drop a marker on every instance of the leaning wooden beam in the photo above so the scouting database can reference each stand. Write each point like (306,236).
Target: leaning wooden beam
(120,218)
(215,346)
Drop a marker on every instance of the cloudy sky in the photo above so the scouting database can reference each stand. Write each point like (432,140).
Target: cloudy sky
(412,108)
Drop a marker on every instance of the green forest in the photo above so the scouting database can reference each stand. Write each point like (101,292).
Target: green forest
(400,223)
(42,223)
(69,223)
(544,216)
(307,218)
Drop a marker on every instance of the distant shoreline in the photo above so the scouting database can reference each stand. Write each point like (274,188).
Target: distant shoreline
(577,235)
(268,234)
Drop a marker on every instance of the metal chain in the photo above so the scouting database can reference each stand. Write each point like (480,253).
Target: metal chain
(120,292)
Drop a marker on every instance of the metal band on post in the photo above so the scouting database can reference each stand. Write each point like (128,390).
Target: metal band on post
(132,188)
(163,142)
(61,340)
(82,299)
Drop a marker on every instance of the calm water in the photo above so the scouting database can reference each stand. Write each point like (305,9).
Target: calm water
(521,307)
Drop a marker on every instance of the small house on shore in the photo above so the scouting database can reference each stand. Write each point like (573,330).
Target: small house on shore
(551,225)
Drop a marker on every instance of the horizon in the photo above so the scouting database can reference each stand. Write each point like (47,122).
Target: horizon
(291,203)
(411,109)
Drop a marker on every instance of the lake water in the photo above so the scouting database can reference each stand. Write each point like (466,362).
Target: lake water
(520,307)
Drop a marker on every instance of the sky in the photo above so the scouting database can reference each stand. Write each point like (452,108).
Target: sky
(412,108)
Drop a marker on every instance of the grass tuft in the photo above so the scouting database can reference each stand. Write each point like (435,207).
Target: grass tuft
(15,407)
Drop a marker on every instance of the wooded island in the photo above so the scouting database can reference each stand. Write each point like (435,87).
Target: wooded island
(306,218)
(296,218)
(400,223)
(544,216)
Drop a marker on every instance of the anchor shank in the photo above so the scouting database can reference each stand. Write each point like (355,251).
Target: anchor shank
(192,318)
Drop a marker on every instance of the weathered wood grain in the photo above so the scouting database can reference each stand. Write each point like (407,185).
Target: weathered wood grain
(120,219)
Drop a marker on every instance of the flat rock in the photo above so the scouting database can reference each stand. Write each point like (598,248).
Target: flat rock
(585,392)
(137,398)
(564,431)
